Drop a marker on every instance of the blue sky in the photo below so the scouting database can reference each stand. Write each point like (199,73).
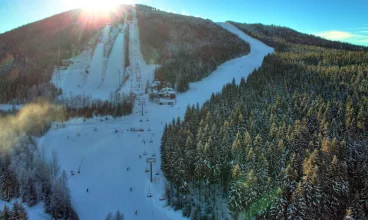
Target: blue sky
(344,20)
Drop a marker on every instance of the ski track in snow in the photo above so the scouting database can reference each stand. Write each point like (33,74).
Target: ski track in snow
(105,155)
(98,82)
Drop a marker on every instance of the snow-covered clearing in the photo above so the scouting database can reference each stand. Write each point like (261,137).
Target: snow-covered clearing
(105,150)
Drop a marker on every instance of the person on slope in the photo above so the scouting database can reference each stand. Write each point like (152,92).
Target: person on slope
(131,189)
(136,212)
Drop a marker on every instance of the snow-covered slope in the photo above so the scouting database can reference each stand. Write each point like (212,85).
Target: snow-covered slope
(105,149)
(115,69)
(100,80)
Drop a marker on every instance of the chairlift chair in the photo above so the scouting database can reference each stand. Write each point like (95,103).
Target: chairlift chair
(149,195)
(145,153)
(146,170)
(151,141)
(154,155)
(149,129)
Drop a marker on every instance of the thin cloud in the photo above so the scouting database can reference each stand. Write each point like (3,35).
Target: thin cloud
(361,38)
(334,35)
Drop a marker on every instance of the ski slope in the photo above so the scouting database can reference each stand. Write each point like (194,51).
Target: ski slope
(115,69)
(103,150)
(99,81)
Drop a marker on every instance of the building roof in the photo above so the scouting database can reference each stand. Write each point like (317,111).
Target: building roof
(155,83)
(166,100)
(167,90)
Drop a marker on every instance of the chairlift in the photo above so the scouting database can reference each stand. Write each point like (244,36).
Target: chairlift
(144,153)
(154,155)
(146,170)
(149,195)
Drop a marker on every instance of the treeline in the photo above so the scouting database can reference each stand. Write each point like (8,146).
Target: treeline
(278,37)
(17,212)
(118,105)
(188,48)
(287,143)
(27,174)
(29,53)
(126,47)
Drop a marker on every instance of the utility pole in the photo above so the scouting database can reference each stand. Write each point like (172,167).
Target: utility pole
(142,108)
(151,160)
(58,62)
(119,78)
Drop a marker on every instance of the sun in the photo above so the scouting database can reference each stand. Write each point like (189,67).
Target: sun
(99,6)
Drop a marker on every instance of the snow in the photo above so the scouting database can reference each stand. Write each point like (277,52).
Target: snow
(6,107)
(36,212)
(100,80)
(104,155)
(115,69)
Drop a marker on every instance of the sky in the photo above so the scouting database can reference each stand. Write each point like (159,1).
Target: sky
(343,20)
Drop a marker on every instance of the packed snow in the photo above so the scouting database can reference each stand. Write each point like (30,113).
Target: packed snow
(111,157)
(90,76)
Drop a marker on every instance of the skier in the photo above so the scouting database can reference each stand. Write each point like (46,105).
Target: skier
(127,168)
(116,131)
(131,189)
(87,189)
(139,156)
(136,212)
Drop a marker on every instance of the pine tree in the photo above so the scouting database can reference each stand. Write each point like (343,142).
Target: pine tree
(19,213)
(297,209)
(8,185)
(60,197)
(6,214)
(109,216)
(118,216)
